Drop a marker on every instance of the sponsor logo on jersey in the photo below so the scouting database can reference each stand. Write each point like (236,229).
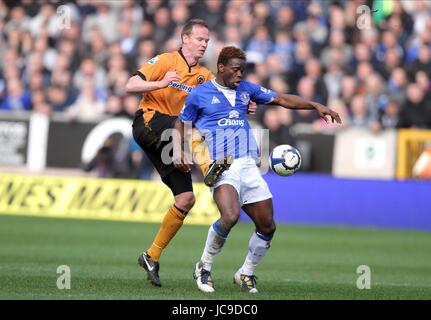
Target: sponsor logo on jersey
(153,60)
(180,86)
(232,121)
(245,97)
(215,100)
(200,79)
(234,114)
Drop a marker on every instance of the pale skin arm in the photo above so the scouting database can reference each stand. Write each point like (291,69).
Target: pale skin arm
(290,101)
(180,159)
(136,84)
(252,107)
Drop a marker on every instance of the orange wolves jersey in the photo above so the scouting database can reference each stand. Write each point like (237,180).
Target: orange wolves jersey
(170,100)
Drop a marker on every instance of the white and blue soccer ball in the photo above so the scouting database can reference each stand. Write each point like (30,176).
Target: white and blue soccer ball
(285,160)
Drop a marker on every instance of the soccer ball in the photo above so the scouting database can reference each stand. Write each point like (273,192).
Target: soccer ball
(285,160)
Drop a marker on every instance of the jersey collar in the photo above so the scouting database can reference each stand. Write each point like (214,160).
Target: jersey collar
(180,52)
(219,86)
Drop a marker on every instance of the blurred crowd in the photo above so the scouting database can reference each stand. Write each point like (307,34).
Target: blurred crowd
(371,64)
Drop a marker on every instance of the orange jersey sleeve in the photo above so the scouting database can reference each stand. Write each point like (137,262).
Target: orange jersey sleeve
(170,100)
(156,68)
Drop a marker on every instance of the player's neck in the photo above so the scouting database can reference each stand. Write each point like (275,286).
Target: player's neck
(191,60)
(220,82)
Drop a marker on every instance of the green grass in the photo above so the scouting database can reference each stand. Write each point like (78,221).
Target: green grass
(303,263)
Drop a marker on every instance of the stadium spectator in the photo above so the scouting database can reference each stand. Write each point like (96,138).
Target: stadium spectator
(397,84)
(306,90)
(317,31)
(146,51)
(301,55)
(58,98)
(114,106)
(88,70)
(375,95)
(284,47)
(163,24)
(422,62)
(39,104)
(389,118)
(16,98)
(87,106)
(277,123)
(97,47)
(359,116)
(424,82)
(337,42)
(416,111)
(349,87)
(261,44)
(105,163)
(285,18)
(104,19)
(211,11)
(127,39)
(313,70)
(334,74)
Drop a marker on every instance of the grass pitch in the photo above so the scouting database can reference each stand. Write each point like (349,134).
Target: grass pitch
(303,263)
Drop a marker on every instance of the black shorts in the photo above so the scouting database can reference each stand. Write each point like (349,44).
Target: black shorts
(149,138)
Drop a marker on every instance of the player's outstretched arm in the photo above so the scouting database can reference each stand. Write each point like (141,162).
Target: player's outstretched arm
(136,84)
(290,101)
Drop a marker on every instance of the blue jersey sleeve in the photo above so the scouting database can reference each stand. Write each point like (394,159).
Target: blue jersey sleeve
(190,110)
(259,94)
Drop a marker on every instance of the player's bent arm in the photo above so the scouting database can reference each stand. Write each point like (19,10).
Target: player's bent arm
(290,101)
(136,84)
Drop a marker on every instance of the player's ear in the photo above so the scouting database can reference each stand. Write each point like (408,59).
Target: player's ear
(184,38)
(220,67)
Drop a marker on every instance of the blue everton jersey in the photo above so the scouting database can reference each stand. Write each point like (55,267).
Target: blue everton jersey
(219,113)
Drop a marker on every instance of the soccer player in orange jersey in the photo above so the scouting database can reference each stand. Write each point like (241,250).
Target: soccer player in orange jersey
(165,82)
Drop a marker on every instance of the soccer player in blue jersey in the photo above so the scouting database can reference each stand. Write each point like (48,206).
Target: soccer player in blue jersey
(218,109)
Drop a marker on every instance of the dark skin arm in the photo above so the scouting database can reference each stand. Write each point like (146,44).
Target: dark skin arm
(290,101)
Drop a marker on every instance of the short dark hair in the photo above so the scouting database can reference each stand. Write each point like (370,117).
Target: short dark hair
(187,29)
(228,53)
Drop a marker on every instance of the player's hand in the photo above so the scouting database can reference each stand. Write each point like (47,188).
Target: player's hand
(325,111)
(168,78)
(252,107)
(182,161)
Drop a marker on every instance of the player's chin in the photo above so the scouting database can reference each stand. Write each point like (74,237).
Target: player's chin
(235,84)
